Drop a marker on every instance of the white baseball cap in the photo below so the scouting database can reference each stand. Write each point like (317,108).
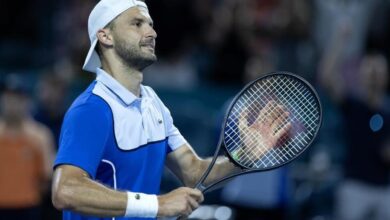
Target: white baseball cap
(103,13)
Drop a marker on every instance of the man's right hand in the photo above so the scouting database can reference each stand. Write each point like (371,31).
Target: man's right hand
(179,202)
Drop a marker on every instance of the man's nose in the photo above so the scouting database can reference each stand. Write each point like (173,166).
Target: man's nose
(151,32)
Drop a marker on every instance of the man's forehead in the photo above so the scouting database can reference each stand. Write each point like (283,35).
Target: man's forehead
(144,12)
(137,11)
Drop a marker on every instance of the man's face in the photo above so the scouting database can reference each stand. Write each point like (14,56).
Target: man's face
(134,38)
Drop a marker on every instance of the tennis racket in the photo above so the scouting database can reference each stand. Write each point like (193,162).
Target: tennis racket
(269,123)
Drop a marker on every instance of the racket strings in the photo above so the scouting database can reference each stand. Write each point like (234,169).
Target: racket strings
(304,116)
(301,106)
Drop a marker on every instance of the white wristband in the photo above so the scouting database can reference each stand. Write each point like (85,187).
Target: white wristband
(141,205)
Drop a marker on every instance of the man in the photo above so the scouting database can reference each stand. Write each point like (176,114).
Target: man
(364,192)
(26,155)
(119,133)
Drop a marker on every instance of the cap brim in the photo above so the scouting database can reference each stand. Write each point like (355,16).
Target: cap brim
(92,61)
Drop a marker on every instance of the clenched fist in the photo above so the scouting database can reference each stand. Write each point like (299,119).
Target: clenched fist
(179,202)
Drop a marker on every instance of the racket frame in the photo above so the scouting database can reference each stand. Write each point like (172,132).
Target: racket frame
(221,141)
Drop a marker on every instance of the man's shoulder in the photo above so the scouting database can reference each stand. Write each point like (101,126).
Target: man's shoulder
(148,91)
(89,99)
(89,102)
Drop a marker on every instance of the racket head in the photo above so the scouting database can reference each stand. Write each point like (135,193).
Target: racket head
(297,96)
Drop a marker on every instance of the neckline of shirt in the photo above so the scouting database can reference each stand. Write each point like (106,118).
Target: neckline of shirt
(118,89)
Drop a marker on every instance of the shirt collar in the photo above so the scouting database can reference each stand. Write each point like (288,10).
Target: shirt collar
(115,87)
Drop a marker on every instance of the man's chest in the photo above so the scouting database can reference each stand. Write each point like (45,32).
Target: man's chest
(136,124)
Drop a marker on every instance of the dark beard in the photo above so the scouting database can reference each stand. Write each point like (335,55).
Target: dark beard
(132,56)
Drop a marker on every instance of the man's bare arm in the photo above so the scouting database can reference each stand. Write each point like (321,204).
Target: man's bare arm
(189,167)
(74,190)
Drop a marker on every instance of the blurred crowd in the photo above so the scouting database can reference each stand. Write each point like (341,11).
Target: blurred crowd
(207,50)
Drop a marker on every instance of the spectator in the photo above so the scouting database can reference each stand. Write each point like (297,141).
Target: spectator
(364,194)
(25,156)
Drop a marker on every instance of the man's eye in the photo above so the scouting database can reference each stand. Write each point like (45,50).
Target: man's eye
(138,24)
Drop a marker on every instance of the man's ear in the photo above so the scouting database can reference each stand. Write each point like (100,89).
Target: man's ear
(105,37)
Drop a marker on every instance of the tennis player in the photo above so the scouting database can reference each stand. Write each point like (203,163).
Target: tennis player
(118,135)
